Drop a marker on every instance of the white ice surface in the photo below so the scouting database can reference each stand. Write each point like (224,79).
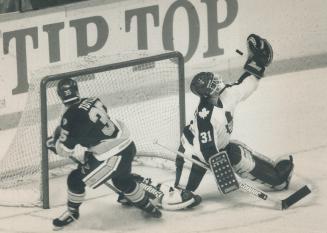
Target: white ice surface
(287,114)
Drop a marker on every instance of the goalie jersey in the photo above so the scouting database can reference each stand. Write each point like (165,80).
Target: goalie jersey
(88,124)
(212,125)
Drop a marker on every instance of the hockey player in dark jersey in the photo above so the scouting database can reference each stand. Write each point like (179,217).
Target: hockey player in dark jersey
(210,130)
(109,153)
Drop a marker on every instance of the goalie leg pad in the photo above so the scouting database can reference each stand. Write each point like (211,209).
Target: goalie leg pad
(274,176)
(257,167)
(190,179)
(241,158)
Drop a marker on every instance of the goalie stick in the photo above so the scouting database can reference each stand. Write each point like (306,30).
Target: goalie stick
(280,204)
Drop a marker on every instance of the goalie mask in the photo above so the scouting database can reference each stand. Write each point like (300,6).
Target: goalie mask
(206,84)
(67,90)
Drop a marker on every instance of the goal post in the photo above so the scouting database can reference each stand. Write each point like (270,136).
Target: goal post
(153,67)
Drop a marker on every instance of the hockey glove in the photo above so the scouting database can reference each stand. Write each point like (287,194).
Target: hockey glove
(51,144)
(260,55)
(51,141)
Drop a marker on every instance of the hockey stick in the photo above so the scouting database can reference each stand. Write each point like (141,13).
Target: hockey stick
(280,204)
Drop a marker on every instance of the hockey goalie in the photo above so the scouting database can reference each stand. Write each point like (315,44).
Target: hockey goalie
(209,132)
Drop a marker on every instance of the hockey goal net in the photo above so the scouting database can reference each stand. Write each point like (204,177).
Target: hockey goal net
(144,90)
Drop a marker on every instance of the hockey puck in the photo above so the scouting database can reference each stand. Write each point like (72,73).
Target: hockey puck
(239,52)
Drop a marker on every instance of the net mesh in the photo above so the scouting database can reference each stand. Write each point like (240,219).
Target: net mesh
(144,96)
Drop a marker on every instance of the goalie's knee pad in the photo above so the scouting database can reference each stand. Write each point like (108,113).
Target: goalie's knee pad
(241,158)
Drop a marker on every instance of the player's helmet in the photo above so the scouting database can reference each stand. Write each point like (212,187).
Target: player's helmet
(206,84)
(67,90)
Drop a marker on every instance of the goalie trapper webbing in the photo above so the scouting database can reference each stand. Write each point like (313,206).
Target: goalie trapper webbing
(223,173)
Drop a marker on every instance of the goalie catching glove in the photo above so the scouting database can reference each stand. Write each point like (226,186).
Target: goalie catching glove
(260,55)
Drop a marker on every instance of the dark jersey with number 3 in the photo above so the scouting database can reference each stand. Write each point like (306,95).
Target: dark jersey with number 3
(86,123)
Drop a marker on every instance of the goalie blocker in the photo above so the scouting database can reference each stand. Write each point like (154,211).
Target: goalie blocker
(223,173)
